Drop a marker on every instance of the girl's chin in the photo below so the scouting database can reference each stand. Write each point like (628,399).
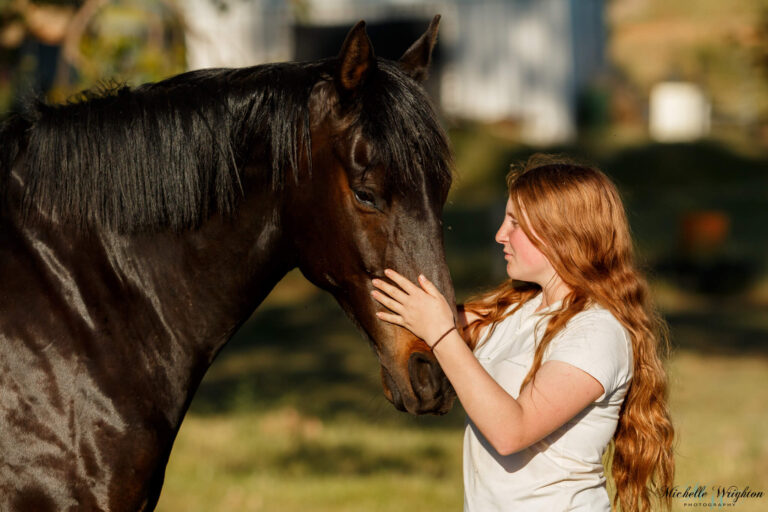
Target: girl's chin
(514,273)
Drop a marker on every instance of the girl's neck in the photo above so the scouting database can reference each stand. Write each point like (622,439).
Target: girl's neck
(554,290)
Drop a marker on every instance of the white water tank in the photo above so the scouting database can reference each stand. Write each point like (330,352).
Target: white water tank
(679,112)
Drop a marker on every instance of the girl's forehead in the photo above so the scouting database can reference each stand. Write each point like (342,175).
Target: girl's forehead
(517,210)
(511,206)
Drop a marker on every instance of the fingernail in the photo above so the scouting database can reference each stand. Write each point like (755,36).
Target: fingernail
(387,271)
(421,277)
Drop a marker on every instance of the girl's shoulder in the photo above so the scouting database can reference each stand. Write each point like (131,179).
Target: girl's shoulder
(595,341)
(594,330)
(595,316)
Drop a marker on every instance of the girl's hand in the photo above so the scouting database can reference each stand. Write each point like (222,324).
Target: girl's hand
(422,310)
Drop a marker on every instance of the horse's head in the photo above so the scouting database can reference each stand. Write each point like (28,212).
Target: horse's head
(380,173)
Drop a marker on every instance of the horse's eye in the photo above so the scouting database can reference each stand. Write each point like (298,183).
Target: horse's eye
(366,198)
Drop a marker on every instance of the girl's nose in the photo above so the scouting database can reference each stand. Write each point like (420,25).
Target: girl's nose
(501,235)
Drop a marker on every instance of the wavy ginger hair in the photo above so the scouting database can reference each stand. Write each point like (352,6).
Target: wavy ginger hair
(581,227)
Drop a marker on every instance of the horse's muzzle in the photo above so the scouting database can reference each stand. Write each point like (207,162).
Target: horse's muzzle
(430,385)
(429,392)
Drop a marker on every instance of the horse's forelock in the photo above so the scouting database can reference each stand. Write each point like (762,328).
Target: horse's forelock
(399,120)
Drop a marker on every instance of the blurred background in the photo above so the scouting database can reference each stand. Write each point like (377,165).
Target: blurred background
(669,98)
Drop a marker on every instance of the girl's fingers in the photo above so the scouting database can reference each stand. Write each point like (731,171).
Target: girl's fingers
(387,301)
(393,291)
(429,287)
(401,281)
(392,319)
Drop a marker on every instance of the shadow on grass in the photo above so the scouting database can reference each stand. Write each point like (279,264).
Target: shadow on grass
(307,356)
(717,333)
(359,459)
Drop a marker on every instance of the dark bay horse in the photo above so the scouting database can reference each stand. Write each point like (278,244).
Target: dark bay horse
(140,228)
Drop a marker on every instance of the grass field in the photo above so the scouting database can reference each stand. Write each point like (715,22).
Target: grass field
(291,418)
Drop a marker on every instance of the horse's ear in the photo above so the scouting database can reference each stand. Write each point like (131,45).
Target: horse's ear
(356,59)
(415,60)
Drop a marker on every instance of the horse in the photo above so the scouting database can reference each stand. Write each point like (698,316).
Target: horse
(140,228)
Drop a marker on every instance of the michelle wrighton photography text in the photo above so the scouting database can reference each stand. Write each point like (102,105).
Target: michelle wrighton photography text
(714,496)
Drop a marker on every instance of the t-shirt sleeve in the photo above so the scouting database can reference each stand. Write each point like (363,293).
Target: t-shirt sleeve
(597,344)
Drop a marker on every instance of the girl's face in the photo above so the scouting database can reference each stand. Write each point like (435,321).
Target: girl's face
(524,261)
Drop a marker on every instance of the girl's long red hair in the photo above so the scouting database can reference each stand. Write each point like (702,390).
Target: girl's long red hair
(581,227)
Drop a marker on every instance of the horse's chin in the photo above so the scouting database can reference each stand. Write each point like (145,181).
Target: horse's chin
(438,403)
(392,391)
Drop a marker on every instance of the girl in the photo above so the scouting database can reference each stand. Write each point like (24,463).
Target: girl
(557,361)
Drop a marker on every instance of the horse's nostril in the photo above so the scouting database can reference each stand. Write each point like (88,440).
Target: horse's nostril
(425,376)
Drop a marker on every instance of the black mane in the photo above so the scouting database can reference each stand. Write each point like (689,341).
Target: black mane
(168,154)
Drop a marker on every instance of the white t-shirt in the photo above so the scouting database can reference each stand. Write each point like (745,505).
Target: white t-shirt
(563,471)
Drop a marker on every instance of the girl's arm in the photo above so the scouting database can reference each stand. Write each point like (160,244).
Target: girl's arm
(558,392)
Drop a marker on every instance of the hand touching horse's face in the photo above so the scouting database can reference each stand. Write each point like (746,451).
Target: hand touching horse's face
(380,175)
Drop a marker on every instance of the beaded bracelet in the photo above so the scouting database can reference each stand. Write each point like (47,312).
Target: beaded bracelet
(441,338)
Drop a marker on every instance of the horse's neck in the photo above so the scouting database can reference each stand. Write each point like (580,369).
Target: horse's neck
(105,337)
(201,286)
(156,306)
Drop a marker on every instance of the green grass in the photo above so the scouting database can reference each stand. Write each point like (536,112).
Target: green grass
(720,410)
(291,417)
(283,461)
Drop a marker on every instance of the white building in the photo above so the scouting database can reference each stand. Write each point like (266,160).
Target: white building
(519,60)
(244,33)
